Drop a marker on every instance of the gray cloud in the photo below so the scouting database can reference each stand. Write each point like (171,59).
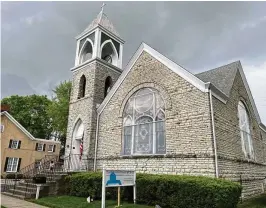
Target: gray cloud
(38,38)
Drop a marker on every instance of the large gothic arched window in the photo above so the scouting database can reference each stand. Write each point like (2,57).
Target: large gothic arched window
(144,123)
(244,126)
(82,87)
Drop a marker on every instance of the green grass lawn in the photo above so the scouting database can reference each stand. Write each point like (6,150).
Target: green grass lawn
(79,202)
(257,202)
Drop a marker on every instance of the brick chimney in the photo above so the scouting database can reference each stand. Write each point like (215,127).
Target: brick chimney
(5,108)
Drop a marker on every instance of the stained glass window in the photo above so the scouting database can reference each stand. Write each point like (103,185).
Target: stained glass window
(144,123)
(247,145)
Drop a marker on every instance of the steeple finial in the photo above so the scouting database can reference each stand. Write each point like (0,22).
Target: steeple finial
(102,7)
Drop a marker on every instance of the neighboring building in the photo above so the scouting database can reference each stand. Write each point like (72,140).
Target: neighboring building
(19,148)
(156,117)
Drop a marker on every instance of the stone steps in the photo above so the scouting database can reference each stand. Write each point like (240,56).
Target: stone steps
(25,188)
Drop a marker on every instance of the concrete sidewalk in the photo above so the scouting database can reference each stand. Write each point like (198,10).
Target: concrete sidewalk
(11,202)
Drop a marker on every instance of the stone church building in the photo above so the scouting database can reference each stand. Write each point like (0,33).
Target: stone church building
(156,117)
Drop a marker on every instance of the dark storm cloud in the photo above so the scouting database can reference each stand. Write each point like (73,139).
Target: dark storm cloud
(38,37)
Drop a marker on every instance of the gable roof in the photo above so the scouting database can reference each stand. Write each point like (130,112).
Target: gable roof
(167,62)
(222,77)
(14,121)
(219,80)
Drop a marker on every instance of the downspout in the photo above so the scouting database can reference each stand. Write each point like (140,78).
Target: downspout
(214,136)
(96,142)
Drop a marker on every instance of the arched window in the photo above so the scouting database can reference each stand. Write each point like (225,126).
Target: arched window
(244,126)
(82,86)
(144,123)
(109,53)
(86,52)
(107,86)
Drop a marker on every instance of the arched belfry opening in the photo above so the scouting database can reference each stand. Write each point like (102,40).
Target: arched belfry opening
(82,87)
(109,53)
(107,86)
(86,52)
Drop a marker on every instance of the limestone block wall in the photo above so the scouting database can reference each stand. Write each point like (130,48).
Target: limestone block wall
(85,108)
(189,143)
(231,159)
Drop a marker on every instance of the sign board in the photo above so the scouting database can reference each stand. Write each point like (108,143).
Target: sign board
(118,178)
(114,178)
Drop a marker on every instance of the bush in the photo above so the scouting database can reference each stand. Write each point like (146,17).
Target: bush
(187,191)
(14,176)
(168,191)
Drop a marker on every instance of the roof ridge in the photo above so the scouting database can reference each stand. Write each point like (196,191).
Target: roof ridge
(238,61)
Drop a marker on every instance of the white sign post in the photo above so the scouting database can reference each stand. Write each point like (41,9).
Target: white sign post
(118,178)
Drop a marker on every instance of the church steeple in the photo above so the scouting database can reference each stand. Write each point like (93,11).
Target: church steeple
(103,21)
(100,40)
(98,66)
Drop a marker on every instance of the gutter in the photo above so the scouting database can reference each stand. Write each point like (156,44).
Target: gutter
(96,142)
(214,136)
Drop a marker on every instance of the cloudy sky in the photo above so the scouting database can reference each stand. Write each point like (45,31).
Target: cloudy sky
(38,39)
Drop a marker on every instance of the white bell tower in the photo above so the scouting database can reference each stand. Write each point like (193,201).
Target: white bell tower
(100,40)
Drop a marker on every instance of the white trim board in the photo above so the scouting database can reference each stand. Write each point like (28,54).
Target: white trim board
(191,78)
(241,71)
(14,121)
(167,62)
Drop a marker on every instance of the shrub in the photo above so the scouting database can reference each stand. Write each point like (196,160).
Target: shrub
(169,191)
(88,184)
(14,176)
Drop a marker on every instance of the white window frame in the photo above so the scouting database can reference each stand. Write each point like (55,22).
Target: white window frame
(12,164)
(245,130)
(14,144)
(52,148)
(39,146)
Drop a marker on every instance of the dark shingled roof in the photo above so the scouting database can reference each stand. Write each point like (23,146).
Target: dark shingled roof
(222,77)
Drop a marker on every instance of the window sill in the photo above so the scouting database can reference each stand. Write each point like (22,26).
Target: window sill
(143,156)
(11,171)
(50,151)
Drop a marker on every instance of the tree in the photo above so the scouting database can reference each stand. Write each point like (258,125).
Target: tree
(58,111)
(31,112)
